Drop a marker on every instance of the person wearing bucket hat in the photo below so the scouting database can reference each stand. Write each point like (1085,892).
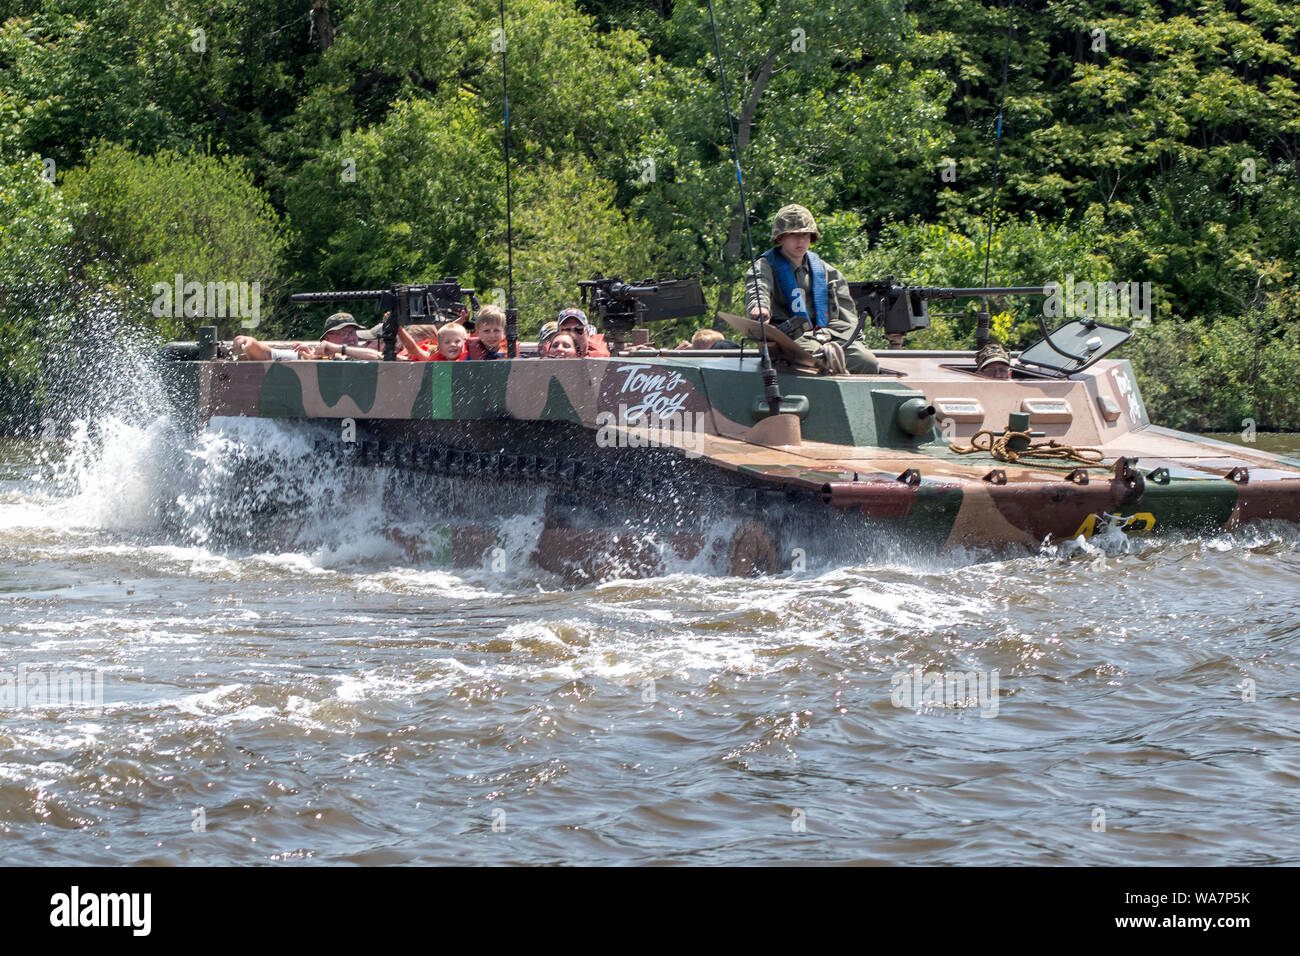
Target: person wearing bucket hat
(806,298)
(338,340)
(339,321)
(341,339)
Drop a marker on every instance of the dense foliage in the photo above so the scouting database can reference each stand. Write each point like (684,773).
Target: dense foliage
(307,145)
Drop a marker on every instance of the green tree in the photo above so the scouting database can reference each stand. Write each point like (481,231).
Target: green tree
(828,106)
(569,229)
(34,235)
(1023,253)
(411,199)
(140,220)
(151,74)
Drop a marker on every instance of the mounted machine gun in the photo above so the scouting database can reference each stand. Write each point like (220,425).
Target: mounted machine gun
(401,305)
(899,309)
(620,306)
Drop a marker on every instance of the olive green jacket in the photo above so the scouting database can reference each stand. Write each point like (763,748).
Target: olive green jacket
(842,322)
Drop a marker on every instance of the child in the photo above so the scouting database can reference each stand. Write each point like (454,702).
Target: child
(451,345)
(703,339)
(489,338)
(544,336)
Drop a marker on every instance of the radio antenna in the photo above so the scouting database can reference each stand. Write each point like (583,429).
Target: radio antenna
(771,390)
(982,326)
(512,313)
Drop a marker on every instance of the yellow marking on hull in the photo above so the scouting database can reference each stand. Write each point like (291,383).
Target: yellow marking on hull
(1139,521)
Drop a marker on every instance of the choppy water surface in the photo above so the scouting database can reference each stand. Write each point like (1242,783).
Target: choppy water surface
(297,691)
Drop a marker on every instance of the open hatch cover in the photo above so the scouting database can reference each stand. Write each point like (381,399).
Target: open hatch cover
(1074,346)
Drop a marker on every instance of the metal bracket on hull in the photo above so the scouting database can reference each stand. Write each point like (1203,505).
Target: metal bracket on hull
(1129,479)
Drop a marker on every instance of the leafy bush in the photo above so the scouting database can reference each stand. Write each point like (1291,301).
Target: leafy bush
(34,235)
(1023,253)
(139,220)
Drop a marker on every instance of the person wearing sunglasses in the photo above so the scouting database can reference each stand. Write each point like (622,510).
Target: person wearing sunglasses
(586,341)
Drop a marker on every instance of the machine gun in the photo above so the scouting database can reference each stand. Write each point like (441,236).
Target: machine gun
(900,309)
(403,305)
(621,306)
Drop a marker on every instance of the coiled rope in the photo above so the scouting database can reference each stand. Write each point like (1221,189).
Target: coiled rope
(1041,454)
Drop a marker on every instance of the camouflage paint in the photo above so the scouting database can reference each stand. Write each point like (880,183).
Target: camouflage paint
(852,457)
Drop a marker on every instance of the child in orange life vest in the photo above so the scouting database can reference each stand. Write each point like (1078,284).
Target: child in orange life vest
(489,338)
(451,345)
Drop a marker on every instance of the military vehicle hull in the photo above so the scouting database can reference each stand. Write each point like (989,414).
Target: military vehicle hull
(639,456)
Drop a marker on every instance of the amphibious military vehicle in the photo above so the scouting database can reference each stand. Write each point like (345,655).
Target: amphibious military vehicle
(655,456)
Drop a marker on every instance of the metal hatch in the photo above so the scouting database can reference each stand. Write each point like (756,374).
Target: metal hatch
(1074,346)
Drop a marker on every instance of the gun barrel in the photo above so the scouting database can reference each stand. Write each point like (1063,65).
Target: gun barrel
(621,289)
(355,295)
(948,293)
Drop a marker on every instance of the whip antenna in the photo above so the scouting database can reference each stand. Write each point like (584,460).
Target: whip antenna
(512,313)
(771,390)
(982,327)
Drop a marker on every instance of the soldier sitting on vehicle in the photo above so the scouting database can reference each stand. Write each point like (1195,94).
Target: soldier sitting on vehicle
(806,298)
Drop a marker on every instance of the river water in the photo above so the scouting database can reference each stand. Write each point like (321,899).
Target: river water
(263,690)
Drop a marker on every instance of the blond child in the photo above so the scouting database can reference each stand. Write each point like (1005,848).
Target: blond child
(489,338)
(451,345)
(703,339)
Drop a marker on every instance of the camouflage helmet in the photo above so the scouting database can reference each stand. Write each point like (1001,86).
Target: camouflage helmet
(794,218)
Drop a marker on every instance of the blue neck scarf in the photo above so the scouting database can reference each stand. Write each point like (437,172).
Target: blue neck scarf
(793,295)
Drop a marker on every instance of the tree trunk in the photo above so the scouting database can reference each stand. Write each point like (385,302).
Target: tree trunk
(320,18)
(745,124)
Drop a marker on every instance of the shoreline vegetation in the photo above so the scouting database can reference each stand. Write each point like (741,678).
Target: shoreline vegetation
(301,145)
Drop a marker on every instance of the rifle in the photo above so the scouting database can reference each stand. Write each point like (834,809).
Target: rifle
(403,304)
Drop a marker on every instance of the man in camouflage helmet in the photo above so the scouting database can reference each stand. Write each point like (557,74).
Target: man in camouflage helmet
(806,298)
